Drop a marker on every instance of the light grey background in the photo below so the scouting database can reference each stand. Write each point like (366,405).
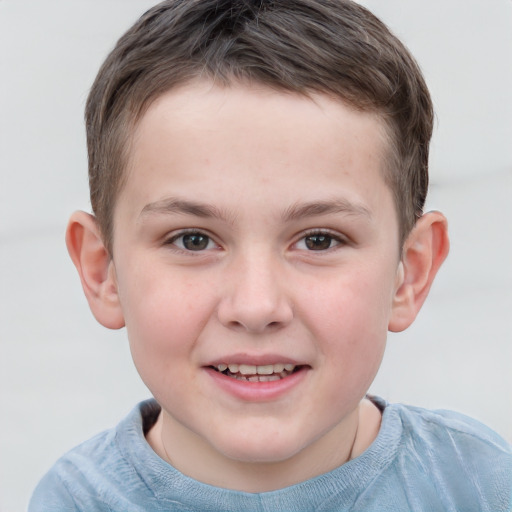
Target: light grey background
(64,378)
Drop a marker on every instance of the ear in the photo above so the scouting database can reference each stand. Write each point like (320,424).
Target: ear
(96,269)
(424,251)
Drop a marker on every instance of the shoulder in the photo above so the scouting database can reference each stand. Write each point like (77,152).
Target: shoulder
(455,457)
(90,474)
(70,474)
(448,427)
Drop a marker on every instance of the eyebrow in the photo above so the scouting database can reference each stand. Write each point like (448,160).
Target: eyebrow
(184,207)
(295,212)
(317,208)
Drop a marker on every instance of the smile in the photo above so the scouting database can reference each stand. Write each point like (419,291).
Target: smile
(253,373)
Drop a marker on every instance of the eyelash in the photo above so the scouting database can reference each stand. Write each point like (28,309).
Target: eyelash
(174,238)
(333,237)
(329,237)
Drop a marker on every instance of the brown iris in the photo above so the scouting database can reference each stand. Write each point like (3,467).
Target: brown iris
(318,242)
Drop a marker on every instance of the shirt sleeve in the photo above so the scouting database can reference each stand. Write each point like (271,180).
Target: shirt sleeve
(51,495)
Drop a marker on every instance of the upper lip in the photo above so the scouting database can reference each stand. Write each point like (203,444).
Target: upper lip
(254,360)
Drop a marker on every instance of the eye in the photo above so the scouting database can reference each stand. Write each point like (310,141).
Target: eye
(318,241)
(192,241)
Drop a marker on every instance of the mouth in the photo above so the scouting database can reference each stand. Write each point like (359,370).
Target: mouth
(253,373)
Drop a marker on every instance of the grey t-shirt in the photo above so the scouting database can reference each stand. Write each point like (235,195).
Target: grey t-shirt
(420,461)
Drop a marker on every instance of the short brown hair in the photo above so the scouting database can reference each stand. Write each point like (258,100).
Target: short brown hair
(335,47)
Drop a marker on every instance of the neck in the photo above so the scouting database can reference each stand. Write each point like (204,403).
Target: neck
(193,457)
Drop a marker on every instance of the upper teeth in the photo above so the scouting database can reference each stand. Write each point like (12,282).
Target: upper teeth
(249,369)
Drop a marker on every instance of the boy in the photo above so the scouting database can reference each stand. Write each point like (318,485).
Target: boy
(258,172)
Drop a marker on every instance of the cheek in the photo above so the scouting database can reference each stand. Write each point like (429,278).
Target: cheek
(356,305)
(349,320)
(164,316)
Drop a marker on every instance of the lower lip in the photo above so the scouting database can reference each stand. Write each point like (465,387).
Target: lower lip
(257,391)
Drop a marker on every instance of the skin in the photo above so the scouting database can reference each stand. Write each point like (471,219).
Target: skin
(297,260)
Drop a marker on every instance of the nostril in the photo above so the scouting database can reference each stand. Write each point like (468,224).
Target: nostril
(236,325)
(258,314)
(263,327)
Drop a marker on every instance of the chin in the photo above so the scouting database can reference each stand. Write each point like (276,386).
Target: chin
(269,449)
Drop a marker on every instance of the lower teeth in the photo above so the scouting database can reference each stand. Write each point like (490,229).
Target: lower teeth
(257,378)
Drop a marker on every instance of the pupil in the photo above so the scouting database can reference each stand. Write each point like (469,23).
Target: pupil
(318,242)
(195,242)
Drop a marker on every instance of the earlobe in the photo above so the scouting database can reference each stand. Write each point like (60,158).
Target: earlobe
(96,269)
(424,251)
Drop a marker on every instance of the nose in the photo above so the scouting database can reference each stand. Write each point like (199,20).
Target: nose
(254,295)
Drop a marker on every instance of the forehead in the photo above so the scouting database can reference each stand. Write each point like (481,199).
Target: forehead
(200,138)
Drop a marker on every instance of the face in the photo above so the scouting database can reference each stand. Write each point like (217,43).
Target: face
(256,257)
